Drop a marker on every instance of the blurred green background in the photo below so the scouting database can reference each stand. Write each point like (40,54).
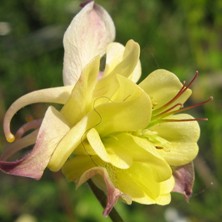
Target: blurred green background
(181,36)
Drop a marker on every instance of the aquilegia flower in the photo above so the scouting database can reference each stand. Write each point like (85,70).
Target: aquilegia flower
(131,139)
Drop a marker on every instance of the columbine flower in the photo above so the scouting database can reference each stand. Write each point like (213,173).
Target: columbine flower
(130,139)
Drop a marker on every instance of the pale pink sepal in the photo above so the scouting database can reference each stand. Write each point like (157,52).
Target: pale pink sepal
(87,36)
(113,194)
(32,165)
(184,180)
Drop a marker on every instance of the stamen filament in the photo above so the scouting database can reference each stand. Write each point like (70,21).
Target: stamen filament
(166,111)
(183,120)
(195,105)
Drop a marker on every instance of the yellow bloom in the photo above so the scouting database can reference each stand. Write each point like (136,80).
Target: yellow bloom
(127,137)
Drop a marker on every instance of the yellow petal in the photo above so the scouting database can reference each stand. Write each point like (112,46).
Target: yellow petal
(165,191)
(123,60)
(87,36)
(68,144)
(180,153)
(97,145)
(105,89)
(80,101)
(128,110)
(123,149)
(141,185)
(161,169)
(108,150)
(114,55)
(164,195)
(119,152)
(183,137)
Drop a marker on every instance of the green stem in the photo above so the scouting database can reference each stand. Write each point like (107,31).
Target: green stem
(114,215)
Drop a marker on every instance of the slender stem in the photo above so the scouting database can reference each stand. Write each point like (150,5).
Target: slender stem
(114,215)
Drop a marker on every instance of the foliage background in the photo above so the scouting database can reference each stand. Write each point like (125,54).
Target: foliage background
(181,36)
